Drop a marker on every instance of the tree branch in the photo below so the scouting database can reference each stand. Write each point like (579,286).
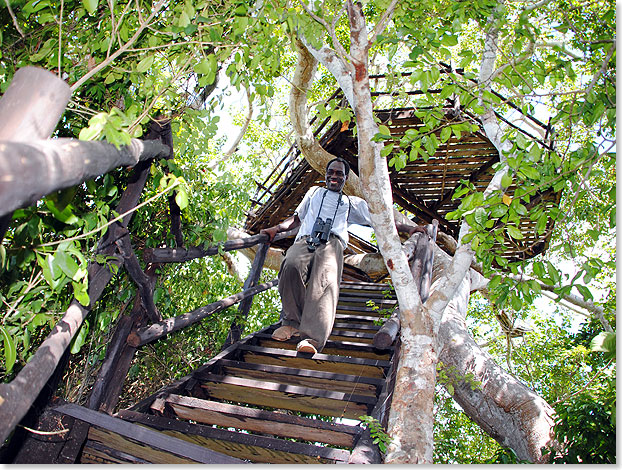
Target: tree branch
(383,22)
(330,29)
(14,18)
(143,24)
(237,141)
(562,47)
(602,69)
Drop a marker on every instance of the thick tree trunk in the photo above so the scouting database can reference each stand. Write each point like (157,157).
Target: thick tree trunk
(504,407)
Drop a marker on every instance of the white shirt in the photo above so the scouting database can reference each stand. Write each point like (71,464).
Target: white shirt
(352,210)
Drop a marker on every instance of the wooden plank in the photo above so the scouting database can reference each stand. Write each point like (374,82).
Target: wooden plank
(363,286)
(266,422)
(344,317)
(290,397)
(336,348)
(358,310)
(319,361)
(348,336)
(363,299)
(303,377)
(360,336)
(369,294)
(356,327)
(123,445)
(258,449)
(185,382)
(97,453)
(145,437)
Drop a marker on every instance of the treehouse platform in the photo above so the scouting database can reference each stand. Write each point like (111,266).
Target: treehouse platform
(424,188)
(260,401)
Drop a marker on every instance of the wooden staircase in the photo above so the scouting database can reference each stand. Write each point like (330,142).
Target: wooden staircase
(260,401)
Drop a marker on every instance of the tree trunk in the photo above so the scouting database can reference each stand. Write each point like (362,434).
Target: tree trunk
(502,406)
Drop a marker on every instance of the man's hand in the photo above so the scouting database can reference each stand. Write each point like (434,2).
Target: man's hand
(271,232)
(410,229)
(416,228)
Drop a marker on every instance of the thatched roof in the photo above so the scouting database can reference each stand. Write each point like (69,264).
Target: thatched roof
(422,189)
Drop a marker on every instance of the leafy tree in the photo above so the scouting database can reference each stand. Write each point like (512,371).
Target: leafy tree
(130,62)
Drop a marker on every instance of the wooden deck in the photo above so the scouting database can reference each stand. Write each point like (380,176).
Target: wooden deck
(260,401)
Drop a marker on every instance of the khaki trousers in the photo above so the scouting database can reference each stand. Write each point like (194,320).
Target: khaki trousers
(309,288)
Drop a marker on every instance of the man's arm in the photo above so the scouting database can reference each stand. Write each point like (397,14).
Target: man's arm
(288,224)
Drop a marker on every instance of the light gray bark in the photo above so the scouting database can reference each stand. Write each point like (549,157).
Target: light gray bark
(32,170)
(504,407)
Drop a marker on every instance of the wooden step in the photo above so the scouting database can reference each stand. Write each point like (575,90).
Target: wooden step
(323,362)
(364,286)
(126,440)
(338,348)
(373,295)
(363,300)
(289,397)
(345,316)
(303,377)
(358,336)
(250,447)
(366,311)
(356,327)
(261,421)
(349,338)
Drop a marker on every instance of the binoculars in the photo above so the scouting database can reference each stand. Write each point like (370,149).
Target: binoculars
(319,234)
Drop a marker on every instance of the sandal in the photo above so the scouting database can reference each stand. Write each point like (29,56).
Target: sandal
(283,333)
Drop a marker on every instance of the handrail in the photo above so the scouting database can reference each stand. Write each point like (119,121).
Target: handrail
(146,334)
(32,170)
(179,255)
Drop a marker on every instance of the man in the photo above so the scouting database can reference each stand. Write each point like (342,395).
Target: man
(310,274)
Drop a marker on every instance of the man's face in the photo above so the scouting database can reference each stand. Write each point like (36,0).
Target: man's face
(336,176)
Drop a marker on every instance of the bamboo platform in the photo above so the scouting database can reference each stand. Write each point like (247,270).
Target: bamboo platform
(260,401)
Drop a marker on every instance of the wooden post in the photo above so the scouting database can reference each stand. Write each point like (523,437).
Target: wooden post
(235,332)
(119,355)
(421,268)
(144,283)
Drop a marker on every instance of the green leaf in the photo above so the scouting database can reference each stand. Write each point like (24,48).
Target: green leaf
(530,172)
(80,292)
(448,40)
(181,198)
(541,223)
(386,150)
(445,134)
(506,180)
(585,292)
(10,352)
(80,338)
(605,342)
(66,263)
(384,130)
(66,215)
(145,64)
(90,5)
(480,216)
(513,232)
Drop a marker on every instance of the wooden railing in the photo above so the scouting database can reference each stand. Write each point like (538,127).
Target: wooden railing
(29,110)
